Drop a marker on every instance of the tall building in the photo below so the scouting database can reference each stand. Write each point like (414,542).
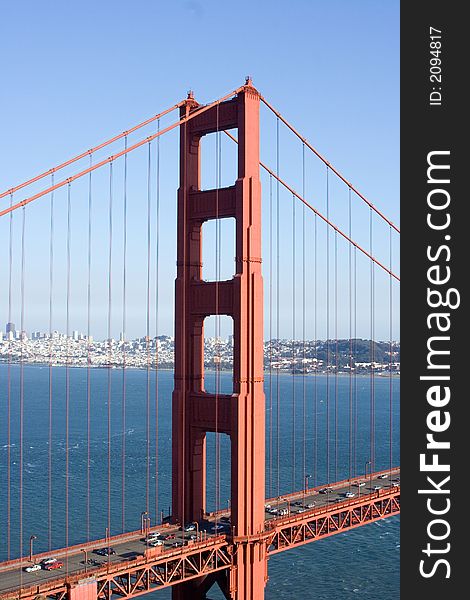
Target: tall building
(9,327)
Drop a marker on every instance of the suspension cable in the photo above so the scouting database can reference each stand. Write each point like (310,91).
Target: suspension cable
(304,393)
(67,373)
(88,375)
(23,335)
(10,274)
(315,380)
(327,274)
(110,349)
(372,353)
(91,151)
(319,214)
(293,349)
(114,157)
(278,273)
(328,164)
(157,294)
(124,351)
(147,336)
(350,341)
(355,399)
(336,356)
(390,390)
(51,304)
(270,336)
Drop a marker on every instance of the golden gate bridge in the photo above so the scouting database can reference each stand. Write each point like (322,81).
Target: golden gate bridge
(331,263)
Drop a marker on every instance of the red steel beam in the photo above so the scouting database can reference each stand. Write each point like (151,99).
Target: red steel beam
(308,527)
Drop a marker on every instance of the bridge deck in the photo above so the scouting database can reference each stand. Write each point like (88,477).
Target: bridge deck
(137,568)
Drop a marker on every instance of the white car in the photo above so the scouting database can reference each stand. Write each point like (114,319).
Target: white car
(383,476)
(49,561)
(33,568)
(349,495)
(152,536)
(359,484)
(156,542)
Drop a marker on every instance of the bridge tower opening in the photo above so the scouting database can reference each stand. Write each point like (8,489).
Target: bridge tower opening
(241,415)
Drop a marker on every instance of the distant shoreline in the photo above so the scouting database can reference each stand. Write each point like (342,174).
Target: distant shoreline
(382,374)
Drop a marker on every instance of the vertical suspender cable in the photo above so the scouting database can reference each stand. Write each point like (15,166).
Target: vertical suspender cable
(390,385)
(51,304)
(293,346)
(372,352)
(355,403)
(88,374)
(350,429)
(278,272)
(147,335)
(67,372)
(315,334)
(110,282)
(270,336)
(336,356)
(327,330)
(124,343)
(157,294)
(10,272)
(23,335)
(304,394)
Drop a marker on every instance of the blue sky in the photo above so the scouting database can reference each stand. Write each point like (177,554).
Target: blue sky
(75,73)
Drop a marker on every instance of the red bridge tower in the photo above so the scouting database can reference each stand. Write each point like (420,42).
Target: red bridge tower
(240,415)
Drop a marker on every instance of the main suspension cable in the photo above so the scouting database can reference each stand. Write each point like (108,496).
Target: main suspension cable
(328,164)
(114,157)
(91,151)
(319,214)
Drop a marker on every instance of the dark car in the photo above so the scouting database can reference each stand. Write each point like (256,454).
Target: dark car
(105,551)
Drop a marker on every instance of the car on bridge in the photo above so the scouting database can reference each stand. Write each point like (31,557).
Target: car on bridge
(52,566)
(326,490)
(156,542)
(349,495)
(32,568)
(105,551)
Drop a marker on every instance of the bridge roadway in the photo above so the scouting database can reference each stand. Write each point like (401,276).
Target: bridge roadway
(131,546)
